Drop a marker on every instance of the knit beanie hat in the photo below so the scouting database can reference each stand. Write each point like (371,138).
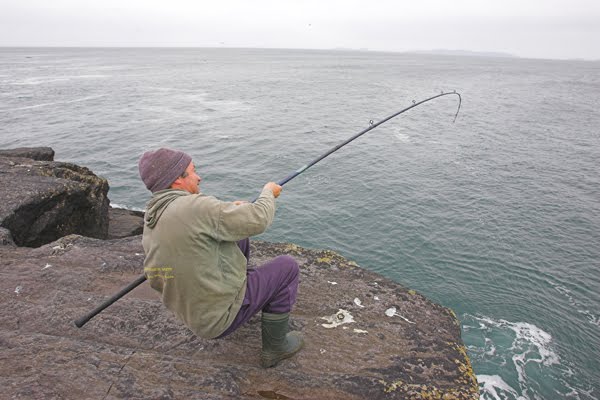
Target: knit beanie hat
(160,168)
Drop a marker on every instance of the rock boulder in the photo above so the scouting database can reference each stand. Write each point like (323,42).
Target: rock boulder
(41,201)
(124,223)
(34,153)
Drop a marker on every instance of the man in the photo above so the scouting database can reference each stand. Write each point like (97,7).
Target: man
(197,250)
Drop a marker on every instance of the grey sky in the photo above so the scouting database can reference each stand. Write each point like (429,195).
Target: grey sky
(537,28)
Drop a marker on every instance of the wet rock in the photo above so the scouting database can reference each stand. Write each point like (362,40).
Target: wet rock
(124,223)
(34,153)
(41,201)
(137,349)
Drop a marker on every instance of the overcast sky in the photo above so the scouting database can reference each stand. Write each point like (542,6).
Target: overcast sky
(528,28)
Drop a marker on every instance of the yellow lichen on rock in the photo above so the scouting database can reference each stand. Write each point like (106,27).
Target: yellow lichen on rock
(291,248)
(389,388)
(456,321)
(428,392)
(464,366)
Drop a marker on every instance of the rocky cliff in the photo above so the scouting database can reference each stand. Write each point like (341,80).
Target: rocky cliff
(366,336)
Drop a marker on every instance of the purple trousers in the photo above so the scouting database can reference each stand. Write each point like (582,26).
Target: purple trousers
(272,288)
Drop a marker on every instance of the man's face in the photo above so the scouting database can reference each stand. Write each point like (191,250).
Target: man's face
(191,182)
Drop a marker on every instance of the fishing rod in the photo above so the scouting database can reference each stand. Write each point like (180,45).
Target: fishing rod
(84,319)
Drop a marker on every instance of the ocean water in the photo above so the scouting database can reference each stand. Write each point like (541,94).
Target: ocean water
(496,215)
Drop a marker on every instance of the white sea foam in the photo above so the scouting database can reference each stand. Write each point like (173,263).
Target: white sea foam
(167,113)
(529,344)
(54,103)
(403,137)
(40,80)
(489,344)
(494,387)
(124,207)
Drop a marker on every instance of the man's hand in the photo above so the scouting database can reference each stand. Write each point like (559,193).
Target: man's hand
(275,188)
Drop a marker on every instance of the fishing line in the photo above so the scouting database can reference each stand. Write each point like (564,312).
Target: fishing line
(371,126)
(83,320)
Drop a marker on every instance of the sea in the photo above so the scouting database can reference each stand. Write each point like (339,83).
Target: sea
(495,215)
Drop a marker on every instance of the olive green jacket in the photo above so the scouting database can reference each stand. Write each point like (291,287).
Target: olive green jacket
(192,257)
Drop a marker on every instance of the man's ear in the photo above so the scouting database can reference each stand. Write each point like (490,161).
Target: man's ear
(176,184)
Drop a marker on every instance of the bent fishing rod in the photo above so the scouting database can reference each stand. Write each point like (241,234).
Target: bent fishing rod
(84,319)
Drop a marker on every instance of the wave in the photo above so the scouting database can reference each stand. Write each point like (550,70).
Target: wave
(125,207)
(578,306)
(54,103)
(40,80)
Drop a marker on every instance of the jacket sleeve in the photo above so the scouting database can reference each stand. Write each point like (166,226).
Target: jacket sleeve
(237,222)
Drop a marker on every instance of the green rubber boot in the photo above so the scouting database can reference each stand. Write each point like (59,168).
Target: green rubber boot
(277,343)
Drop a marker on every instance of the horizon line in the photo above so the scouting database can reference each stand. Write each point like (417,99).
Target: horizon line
(439,52)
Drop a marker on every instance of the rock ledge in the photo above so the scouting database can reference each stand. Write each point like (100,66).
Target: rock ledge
(366,336)
(137,349)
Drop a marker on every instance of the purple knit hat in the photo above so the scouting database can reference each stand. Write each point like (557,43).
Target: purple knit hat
(160,168)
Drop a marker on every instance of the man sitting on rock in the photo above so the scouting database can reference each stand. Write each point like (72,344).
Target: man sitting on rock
(197,250)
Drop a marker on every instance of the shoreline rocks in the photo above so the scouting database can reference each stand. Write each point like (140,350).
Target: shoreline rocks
(42,201)
(123,223)
(34,153)
(366,336)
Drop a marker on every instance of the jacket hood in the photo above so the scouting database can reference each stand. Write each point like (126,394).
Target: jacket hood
(159,203)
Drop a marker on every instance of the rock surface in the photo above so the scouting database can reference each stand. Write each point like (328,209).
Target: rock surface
(123,223)
(136,349)
(41,201)
(34,153)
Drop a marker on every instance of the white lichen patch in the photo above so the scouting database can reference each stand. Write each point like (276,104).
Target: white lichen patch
(18,289)
(47,266)
(360,331)
(391,312)
(333,283)
(376,298)
(339,318)
(358,302)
